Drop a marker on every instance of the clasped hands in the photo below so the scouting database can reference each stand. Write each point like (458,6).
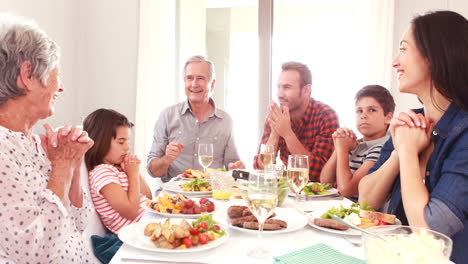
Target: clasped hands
(344,139)
(65,146)
(279,119)
(411,132)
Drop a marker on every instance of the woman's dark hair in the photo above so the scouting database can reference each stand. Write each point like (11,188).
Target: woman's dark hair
(380,94)
(101,126)
(442,39)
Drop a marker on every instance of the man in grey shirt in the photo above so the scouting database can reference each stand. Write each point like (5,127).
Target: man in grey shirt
(183,126)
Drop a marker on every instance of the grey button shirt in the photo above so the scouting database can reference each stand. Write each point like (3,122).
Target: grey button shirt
(177,123)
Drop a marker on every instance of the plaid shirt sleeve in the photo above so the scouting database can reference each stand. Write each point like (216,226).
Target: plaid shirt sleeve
(323,147)
(265,137)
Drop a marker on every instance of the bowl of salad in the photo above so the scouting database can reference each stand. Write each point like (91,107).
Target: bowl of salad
(406,244)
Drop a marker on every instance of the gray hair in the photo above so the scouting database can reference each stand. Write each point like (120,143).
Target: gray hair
(22,40)
(199,58)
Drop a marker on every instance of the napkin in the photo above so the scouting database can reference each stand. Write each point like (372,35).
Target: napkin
(317,254)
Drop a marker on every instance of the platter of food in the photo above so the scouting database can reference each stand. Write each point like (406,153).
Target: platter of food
(193,187)
(194,174)
(174,235)
(363,217)
(284,220)
(179,205)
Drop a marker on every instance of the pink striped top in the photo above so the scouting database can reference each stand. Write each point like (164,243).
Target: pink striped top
(99,177)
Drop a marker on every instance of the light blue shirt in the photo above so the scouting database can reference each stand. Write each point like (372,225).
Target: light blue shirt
(179,124)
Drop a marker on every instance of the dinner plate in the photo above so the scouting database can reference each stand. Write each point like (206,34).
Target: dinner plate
(174,187)
(349,232)
(295,219)
(133,235)
(151,210)
(331,191)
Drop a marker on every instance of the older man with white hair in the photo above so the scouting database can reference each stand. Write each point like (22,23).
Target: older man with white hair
(182,127)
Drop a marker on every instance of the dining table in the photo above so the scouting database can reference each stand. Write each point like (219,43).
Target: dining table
(235,248)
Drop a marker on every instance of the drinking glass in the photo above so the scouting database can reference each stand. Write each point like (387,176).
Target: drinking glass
(262,200)
(298,173)
(205,155)
(266,154)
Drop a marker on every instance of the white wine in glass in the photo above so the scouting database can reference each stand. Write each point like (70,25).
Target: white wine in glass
(262,201)
(298,173)
(267,154)
(205,155)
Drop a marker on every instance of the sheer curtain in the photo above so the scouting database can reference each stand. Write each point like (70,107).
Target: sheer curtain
(156,73)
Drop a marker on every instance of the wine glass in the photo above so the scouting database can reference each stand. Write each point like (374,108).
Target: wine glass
(262,200)
(266,154)
(205,155)
(298,173)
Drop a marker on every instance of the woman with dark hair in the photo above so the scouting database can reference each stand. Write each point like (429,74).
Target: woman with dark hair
(424,168)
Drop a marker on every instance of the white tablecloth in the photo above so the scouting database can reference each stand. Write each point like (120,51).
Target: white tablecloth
(236,247)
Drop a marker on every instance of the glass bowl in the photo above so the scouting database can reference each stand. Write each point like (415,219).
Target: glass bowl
(283,189)
(406,244)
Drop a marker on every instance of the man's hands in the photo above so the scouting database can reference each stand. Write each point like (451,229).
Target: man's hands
(173,150)
(236,165)
(344,139)
(279,120)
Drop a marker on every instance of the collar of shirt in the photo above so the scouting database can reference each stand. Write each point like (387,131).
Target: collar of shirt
(299,124)
(450,121)
(381,140)
(186,108)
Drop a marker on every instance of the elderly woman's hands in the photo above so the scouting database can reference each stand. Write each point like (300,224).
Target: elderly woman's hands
(65,148)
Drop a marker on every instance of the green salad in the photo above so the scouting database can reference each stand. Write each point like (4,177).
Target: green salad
(316,188)
(342,212)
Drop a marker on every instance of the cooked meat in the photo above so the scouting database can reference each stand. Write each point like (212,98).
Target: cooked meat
(235,211)
(387,218)
(246,212)
(281,223)
(239,221)
(255,225)
(330,223)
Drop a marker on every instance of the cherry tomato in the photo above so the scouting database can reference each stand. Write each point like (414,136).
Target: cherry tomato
(189,203)
(210,206)
(217,227)
(203,225)
(382,222)
(203,208)
(194,231)
(203,200)
(203,238)
(187,242)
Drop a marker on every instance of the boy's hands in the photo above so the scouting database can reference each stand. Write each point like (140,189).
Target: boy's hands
(344,139)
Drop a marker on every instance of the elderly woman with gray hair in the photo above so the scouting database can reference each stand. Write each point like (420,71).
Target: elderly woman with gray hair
(43,209)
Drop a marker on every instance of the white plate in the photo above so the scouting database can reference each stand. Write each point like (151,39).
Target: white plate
(177,215)
(294,218)
(349,232)
(133,235)
(331,191)
(174,187)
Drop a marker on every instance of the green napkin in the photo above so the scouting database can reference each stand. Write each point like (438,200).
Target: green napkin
(317,254)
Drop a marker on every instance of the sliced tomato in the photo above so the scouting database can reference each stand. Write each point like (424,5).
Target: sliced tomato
(203,225)
(203,238)
(187,242)
(382,223)
(194,231)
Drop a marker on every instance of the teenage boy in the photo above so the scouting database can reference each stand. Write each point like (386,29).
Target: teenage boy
(353,157)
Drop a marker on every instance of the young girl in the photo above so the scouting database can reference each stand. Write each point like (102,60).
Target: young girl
(353,157)
(117,189)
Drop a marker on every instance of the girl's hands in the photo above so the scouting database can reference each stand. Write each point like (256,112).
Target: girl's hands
(345,139)
(131,165)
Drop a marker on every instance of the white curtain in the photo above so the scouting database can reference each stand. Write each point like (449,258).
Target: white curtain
(156,73)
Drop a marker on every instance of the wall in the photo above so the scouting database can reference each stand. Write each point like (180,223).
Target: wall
(98,41)
(404,12)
